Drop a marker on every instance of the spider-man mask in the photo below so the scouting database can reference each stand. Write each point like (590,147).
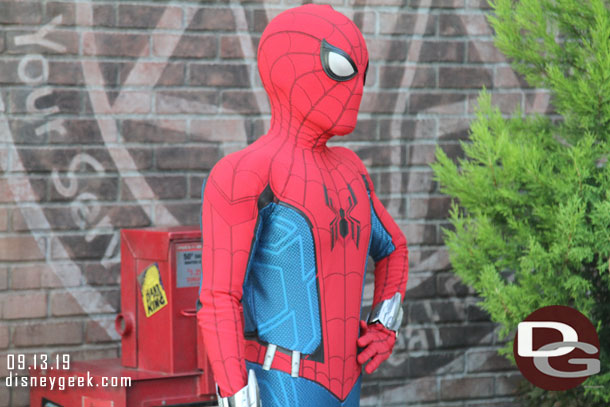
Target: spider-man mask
(313,62)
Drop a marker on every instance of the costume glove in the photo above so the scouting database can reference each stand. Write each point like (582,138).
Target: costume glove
(377,342)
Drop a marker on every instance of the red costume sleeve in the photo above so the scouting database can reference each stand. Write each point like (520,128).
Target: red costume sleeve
(392,271)
(228,219)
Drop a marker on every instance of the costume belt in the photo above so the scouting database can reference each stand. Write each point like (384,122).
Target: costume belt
(295,357)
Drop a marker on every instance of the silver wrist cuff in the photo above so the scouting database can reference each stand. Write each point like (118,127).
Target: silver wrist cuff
(388,313)
(248,396)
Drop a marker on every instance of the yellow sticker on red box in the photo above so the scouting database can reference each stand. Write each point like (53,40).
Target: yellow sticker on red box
(153,294)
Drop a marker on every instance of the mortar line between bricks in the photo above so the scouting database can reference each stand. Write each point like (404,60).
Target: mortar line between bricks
(473,375)
(277,6)
(224,115)
(192,3)
(130,59)
(175,173)
(48,302)
(250,62)
(146,31)
(431,325)
(104,205)
(56,318)
(64,348)
(486,347)
(199,88)
(432,222)
(112,175)
(109,175)
(59,263)
(164,172)
(434,352)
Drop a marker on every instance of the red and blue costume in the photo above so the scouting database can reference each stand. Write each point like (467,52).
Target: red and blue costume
(288,224)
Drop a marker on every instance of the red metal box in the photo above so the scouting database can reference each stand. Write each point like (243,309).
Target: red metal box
(162,353)
(142,389)
(160,275)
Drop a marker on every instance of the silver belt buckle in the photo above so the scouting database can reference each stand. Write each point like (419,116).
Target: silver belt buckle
(296,362)
(269,355)
(295,359)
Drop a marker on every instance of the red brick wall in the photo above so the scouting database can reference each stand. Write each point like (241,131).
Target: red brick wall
(113,112)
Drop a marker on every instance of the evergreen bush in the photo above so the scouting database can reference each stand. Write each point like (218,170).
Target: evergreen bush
(533,223)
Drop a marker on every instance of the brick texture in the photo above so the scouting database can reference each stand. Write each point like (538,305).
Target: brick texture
(22,306)
(117,111)
(48,333)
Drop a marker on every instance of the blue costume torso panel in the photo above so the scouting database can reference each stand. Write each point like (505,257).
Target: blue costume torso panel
(280,290)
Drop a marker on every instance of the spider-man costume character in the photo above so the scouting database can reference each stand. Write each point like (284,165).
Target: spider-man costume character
(288,224)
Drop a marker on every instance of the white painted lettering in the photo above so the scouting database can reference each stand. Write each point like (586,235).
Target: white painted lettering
(30,101)
(38,38)
(70,190)
(54,125)
(23,73)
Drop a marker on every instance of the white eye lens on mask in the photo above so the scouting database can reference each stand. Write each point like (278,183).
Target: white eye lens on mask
(339,65)
(336,63)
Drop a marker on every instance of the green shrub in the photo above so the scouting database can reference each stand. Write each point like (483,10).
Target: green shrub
(533,223)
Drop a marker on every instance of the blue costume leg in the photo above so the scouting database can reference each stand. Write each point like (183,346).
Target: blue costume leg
(279,389)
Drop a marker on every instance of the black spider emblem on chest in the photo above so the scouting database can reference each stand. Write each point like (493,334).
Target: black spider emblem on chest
(343,224)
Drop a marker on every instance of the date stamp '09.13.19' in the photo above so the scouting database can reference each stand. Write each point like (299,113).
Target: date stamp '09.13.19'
(40,370)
